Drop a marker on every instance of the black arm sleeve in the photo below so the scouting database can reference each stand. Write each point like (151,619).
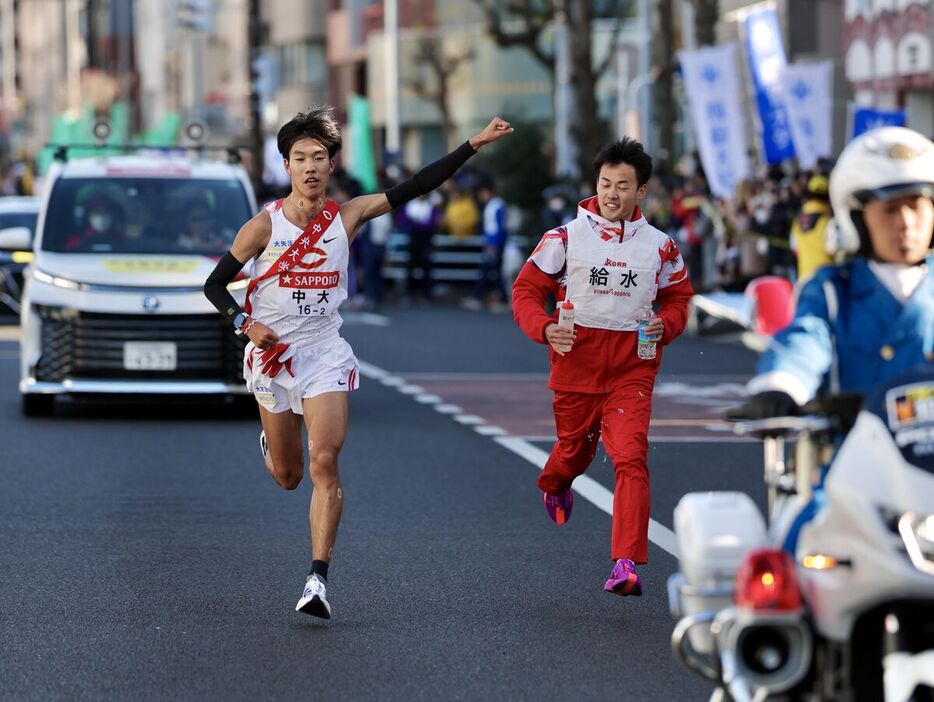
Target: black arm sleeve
(430,177)
(215,287)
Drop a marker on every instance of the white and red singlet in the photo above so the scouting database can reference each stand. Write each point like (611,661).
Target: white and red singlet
(301,306)
(301,303)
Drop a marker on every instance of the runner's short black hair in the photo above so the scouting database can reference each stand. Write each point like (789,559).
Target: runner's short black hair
(318,123)
(629,151)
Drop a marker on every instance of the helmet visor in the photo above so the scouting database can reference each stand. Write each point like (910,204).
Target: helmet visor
(895,191)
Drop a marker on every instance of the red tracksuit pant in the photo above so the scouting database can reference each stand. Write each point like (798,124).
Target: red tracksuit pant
(622,417)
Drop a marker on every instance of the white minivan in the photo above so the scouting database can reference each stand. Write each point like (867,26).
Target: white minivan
(112,301)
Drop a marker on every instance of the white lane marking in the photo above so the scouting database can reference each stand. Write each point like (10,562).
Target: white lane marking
(449,409)
(490,430)
(586,487)
(428,399)
(590,490)
(372,371)
(410,389)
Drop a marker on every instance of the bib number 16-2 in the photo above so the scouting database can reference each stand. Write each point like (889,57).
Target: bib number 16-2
(317,305)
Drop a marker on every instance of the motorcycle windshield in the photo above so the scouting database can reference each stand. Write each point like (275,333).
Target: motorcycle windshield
(905,404)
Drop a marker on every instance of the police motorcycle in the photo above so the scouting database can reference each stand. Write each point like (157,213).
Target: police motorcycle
(850,616)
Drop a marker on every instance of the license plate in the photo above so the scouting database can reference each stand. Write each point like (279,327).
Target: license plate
(150,355)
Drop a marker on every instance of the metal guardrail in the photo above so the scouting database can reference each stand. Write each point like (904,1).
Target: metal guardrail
(453,259)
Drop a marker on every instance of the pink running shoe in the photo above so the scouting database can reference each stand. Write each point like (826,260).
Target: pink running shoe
(623,580)
(559,506)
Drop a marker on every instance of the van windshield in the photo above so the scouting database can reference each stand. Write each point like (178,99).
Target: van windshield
(144,215)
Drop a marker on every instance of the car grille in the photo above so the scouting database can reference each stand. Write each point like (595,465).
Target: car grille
(90,345)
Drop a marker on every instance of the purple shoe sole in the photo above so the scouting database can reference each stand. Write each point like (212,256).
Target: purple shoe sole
(559,506)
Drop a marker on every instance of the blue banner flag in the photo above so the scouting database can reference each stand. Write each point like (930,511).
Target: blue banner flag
(766,55)
(866,118)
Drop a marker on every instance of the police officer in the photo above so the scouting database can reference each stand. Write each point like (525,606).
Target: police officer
(858,323)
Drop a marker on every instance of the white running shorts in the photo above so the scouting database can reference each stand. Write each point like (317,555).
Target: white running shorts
(326,367)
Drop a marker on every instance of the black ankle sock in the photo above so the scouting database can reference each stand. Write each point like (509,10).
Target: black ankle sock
(319,568)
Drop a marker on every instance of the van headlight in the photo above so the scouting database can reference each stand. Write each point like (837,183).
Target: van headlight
(48,279)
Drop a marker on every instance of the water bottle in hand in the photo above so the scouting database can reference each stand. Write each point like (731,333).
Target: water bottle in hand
(566,320)
(647,344)
(566,315)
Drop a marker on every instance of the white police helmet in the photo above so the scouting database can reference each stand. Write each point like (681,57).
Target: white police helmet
(881,164)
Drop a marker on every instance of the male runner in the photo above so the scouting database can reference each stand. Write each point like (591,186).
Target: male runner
(610,263)
(296,364)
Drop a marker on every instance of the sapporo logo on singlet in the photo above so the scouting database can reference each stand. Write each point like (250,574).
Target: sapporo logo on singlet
(607,281)
(305,274)
(311,286)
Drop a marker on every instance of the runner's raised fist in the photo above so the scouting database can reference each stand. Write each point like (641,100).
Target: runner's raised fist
(496,129)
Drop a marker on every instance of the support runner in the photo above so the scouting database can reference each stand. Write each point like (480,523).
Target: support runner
(612,265)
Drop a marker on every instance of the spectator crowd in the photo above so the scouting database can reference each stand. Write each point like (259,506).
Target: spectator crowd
(777,223)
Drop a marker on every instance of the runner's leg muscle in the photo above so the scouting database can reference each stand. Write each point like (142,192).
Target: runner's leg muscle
(326,421)
(286,459)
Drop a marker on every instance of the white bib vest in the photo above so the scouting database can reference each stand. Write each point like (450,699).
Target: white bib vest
(609,280)
(302,302)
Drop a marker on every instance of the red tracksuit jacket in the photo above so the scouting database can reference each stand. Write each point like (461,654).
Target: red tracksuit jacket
(599,356)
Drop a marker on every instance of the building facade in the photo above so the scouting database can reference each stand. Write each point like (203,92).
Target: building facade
(888,54)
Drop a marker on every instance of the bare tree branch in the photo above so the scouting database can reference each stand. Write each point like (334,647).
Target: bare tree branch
(614,45)
(441,65)
(533,23)
(614,42)
(706,14)
(524,23)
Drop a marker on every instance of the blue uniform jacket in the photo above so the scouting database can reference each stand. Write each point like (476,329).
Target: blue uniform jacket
(874,336)
(494,222)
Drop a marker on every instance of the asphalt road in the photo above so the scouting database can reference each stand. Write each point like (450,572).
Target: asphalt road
(145,552)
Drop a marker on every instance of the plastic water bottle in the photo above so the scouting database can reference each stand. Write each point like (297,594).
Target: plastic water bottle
(566,320)
(647,347)
(566,315)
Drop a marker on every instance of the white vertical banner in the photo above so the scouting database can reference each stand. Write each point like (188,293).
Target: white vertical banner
(711,81)
(808,97)
(565,149)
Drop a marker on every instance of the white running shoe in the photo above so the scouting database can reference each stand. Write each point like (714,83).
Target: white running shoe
(314,599)
(263,446)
